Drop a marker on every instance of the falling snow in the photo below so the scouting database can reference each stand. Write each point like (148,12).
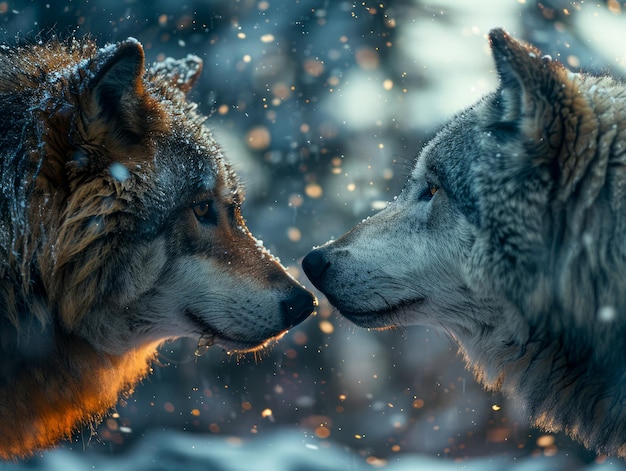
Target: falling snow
(119,171)
(321,107)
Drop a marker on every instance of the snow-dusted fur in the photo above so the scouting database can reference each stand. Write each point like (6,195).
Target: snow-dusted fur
(120,227)
(511,236)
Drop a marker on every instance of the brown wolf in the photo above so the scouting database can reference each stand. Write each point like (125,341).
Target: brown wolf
(120,227)
(510,235)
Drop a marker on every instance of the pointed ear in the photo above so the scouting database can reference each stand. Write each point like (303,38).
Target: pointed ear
(527,79)
(182,73)
(120,68)
(116,96)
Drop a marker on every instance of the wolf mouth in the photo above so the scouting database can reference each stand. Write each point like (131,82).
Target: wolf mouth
(388,317)
(210,336)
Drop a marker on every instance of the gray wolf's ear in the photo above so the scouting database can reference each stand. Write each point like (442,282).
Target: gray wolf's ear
(183,73)
(528,80)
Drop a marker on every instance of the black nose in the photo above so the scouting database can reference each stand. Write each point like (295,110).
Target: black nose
(298,306)
(315,265)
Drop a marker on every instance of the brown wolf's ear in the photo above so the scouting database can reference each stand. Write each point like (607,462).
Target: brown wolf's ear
(527,79)
(116,97)
(183,73)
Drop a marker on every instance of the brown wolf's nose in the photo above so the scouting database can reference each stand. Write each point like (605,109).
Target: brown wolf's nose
(298,306)
(315,265)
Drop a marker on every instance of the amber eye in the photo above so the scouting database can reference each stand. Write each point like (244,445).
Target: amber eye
(428,192)
(205,213)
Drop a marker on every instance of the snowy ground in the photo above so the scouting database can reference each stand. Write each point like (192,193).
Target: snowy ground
(282,451)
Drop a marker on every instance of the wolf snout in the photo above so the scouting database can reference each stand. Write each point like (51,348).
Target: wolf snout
(298,306)
(315,265)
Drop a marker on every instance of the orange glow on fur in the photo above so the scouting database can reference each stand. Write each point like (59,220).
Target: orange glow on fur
(47,403)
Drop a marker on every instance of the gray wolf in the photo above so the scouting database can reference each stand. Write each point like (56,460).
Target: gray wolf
(120,228)
(510,235)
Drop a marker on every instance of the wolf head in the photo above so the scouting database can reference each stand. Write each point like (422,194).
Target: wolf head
(120,227)
(127,219)
(509,235)
(508,201)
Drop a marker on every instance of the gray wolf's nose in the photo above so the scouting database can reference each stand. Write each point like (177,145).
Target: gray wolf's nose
(315,265)
(298,306)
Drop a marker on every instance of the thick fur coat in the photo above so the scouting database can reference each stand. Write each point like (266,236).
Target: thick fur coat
(120,227)
(510,235)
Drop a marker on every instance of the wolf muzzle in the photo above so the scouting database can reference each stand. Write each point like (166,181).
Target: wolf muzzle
(298,306)
(315,265)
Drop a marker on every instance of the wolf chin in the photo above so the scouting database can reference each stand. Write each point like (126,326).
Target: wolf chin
(120,228)
(510,235)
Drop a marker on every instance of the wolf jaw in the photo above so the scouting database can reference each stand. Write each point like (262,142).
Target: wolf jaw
(383,317)
(119,215)
(519,253)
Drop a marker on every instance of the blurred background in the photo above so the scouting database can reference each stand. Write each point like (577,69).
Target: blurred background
(322,106)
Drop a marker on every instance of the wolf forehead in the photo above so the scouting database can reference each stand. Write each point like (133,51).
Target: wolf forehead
(195,168)
(464,136)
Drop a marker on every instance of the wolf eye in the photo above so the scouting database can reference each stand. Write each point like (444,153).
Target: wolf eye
(205,213)
(428,193)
